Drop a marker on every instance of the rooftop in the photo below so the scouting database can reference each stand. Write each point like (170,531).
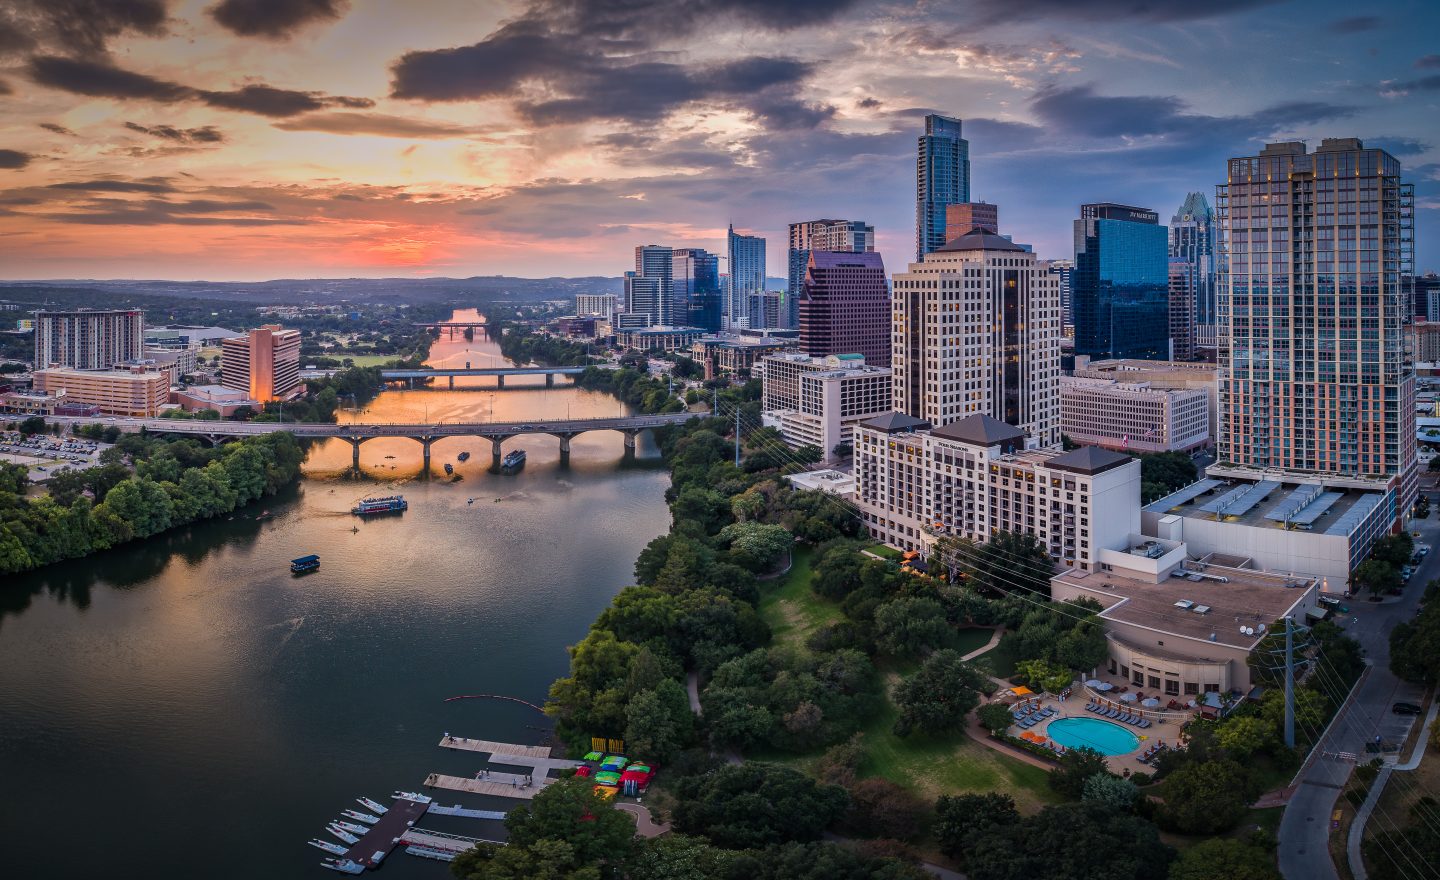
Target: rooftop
(1315,506)
(1088,460)
(893,422)
(981,430)
(980,239)
(1247,598)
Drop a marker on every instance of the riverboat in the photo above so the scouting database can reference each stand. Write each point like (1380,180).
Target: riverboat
(360,817)
(342,834)
(449,468)
(305,563)
(464,456)
(382,504)
(513,460)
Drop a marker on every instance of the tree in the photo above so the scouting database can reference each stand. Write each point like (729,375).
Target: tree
(1163,472)
(1074,769)
(995,717)
(743,806)
(1415,646)
(911,625)
(1204,797)
(1110,791)
(837,570)
(960,820)
(1377,576)
(33,425)
(678,857)
(937,698)
(755,546)
(1243,735)
(659,722)
(880,808)
(1045,676)
(1224,859)
(1079,841)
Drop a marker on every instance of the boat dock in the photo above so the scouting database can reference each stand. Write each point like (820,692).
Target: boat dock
(458,810)
(494,748)
(536,759)
(509,785)
(385,834)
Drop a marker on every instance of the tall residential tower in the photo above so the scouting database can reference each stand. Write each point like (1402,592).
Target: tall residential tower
(89,339)
(746,255)
(1192,243)
(942,178)
(1316,247)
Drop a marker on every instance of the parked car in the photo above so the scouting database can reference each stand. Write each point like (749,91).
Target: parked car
(1406,709)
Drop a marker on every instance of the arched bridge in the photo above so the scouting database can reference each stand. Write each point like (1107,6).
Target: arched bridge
(355,434)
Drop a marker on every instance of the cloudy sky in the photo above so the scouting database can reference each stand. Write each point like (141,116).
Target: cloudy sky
(252,139)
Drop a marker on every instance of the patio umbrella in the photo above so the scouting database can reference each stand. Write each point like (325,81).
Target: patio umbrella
(1150,702)
(1128,698)
(1094,683)
(1104,686)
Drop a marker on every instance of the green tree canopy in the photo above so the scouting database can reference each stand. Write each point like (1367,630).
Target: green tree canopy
(1224,859)
(939,695)
(749,805)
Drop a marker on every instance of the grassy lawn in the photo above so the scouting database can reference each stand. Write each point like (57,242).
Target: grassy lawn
(884,552)
(1000,660)
(363,360)
(971,638)
(791,608)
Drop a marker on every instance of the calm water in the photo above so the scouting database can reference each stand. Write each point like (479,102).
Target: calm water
(184,707)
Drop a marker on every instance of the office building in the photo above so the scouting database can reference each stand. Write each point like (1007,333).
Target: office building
(1172,375)
(1192,243)
(264,363)
(845,306)
(728,354)
(89,339)
(1426,291)
(1427,342)
(942,178)
(1182,310)
(1314,374)
(976,331)
(225,401)
(965,216)
(138,391)
(600,305)
(699,301)
(819,401)
(1121,285)
(1064,272)
(650,289)
(1132,416)
(851,236)
(178,362)
(658,338)
(767,310)
(747,275)
(915,484)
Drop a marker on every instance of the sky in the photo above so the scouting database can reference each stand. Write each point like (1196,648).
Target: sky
(259,139)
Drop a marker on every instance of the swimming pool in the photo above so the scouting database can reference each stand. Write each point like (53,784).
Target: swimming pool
(1102,736)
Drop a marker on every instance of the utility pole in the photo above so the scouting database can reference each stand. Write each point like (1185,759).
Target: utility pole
(715,401)
(1289,684)
(737,435)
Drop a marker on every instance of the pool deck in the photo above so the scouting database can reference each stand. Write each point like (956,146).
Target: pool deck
(1167,729)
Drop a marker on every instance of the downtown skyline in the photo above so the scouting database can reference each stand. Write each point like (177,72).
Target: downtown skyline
(311,138)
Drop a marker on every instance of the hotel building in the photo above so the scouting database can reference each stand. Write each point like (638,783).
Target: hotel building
(1132,416)
(137,391)
(89,339)
(819,401)
(264,363)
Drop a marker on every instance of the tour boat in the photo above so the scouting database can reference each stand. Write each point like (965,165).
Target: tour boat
(351,827)
(329,847)
(373,806)
(382,504)
(344,866)
(411,796)
(464,456)
(513,460)
(305,563)
(342,834)
(360,817)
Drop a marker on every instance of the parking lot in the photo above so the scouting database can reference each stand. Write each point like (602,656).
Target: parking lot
(45,455)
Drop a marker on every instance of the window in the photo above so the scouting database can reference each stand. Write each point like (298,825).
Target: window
(1138,677)
(1124,671)
(1212,688)
(1191,688)
(1172,688)
(1112,665)
(1154,681)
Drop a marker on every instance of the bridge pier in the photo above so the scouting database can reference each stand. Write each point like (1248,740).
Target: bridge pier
(549,380)
(501,381)
(452,383)
(497,451)
(630,441)
(425,451)
(354,451)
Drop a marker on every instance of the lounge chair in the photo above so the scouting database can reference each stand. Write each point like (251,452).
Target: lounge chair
(1124,718)
(1091,707)
(1047,712)
(1113,713)
(1144,722)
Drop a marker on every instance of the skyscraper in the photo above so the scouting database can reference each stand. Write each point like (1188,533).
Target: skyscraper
(1120,289)
(976,331)
(1065,271)
(1314,377)
(747,275)
(854,236)
(965,216)
(650,290)
(942,177)
(695,274)
(1192,241)
(1182,310)
(845,307)
(89,339)
(264,362)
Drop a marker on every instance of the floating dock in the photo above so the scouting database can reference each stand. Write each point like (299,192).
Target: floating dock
(458,810)
(385,834)
(508,785)
(536,759)
(494,748)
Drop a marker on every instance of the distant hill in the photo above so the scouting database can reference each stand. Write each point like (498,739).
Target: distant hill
(325,290)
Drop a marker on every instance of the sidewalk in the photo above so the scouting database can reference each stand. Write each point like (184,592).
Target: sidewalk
(1353,852)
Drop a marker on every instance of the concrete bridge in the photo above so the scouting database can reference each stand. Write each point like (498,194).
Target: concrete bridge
(498,372)
(217,432)
(462,326)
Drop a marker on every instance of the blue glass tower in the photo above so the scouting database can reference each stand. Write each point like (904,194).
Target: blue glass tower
(697,288)
(942,177)
(1120,288)
(746,254)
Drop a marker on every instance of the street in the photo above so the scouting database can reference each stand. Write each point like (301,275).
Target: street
(1305,826)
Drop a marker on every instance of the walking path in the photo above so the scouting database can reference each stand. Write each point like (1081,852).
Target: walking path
(644,825)
(994,640)
(1362,816)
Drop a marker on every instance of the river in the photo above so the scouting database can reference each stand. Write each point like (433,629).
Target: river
(184,707)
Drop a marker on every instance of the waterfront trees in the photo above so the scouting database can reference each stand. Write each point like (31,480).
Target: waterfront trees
(751,805)
(567,832)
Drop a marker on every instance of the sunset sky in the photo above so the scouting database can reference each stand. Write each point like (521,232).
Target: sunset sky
(255,139)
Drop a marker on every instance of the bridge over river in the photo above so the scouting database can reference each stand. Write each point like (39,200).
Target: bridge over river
(355,434)
(427,373)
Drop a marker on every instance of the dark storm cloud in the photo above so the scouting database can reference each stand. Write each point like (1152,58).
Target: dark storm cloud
(619,18)
(81,27)
(495,66)
(1354,24)
(1080,111)
(158,217)
(152,185)
(1423,84)
(374,124)
(205,134)
(1107,11)
(207,206)
(14,159)
(1428,62)
(102,79)
(58,129)
(1399,146)
(274,19)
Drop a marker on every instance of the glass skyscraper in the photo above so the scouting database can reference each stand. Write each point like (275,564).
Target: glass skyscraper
(1316,248)
(747,275)
(1120,289)
(942,178)
(650,289)
(696,278)
(1192,241)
